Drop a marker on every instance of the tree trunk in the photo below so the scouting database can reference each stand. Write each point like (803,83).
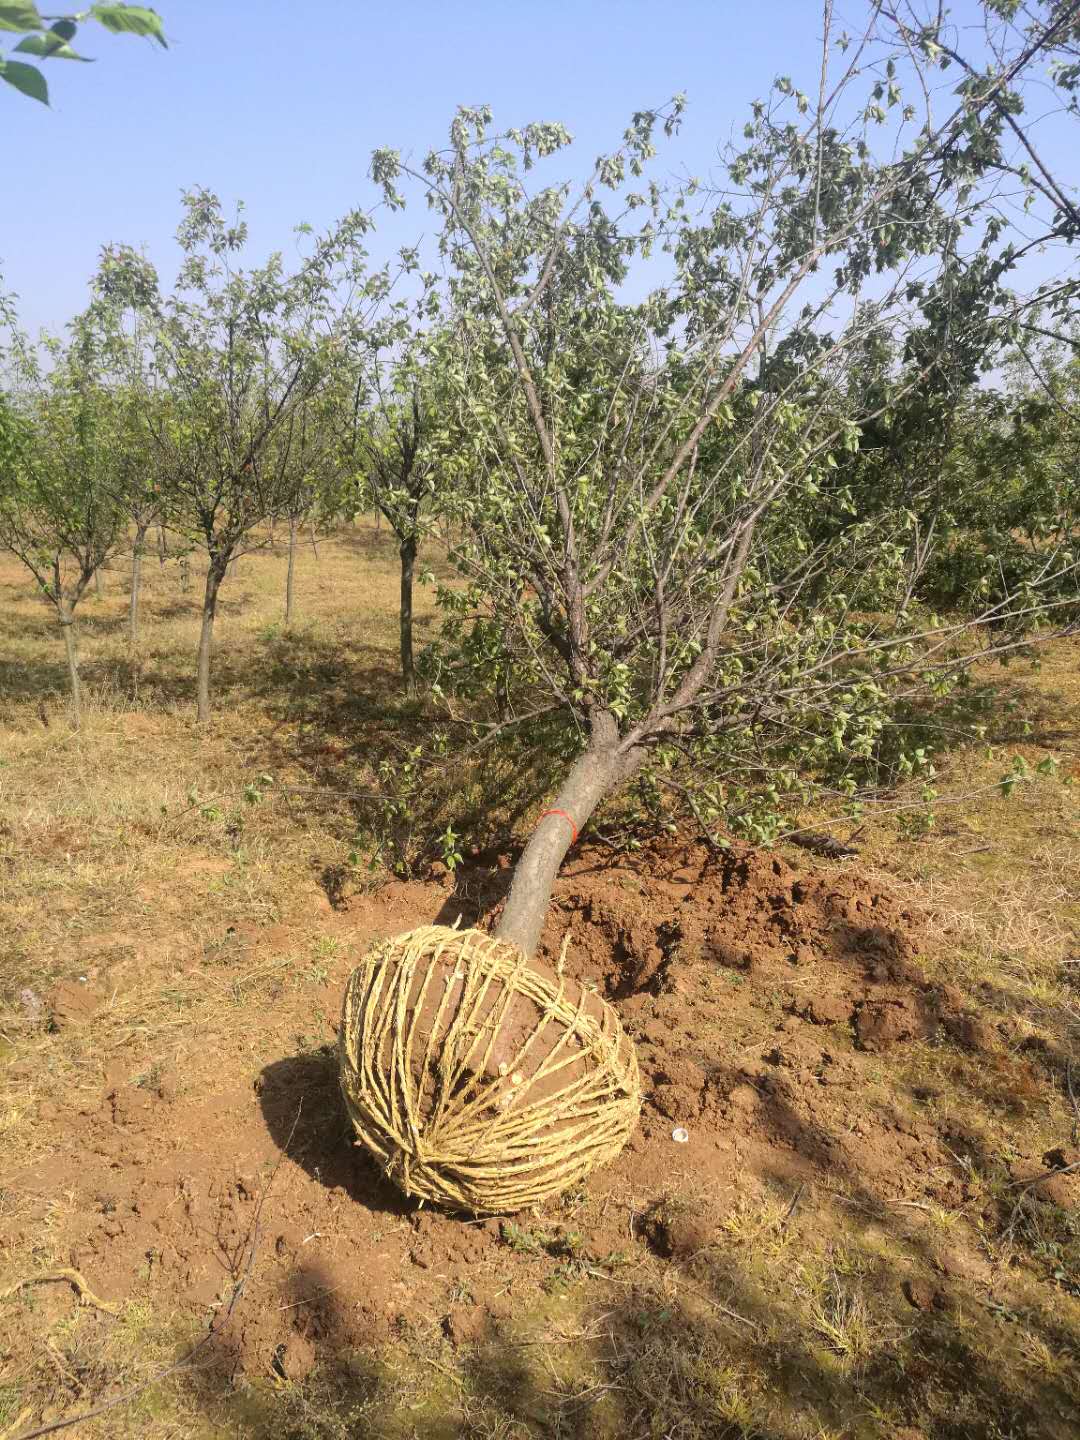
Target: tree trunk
(136,582)
(594,776)
(162,552)
(67,624)
(97,582)
(214,576)
(408,565)
(289,574)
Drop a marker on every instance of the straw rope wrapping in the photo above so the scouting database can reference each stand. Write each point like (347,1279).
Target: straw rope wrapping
(452,1114)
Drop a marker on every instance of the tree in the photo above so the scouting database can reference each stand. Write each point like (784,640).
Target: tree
(140,490)
(304,455)
(1014,467)
(386,417)
(59,509)
(638,487)
(394,447)
(229,362)
(49,37)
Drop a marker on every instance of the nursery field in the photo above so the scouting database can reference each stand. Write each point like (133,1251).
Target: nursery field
(872,1229)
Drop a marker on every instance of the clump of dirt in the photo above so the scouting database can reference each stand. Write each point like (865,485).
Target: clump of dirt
(762,1000)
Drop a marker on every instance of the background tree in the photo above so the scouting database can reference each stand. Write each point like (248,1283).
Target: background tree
(60,513)
(238,354)
(304,456)
(395,450)
(638,487)
(49,37)
(140,489)
(1013,469)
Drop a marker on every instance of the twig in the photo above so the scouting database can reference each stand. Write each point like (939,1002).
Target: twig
(1054,1170)
(793,1206)
(723,1309)
(57,1277)
(820,844)
(1028,1185)
(217,1324)
(310,1299)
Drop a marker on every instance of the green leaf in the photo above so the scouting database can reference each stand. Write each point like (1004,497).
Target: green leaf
(20,17)
(26,78)
(131,20)
(49,47)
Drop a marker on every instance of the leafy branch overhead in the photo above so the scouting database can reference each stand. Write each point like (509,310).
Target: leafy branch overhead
(49,37)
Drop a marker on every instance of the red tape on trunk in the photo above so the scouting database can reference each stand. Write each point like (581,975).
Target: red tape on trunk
(566,816)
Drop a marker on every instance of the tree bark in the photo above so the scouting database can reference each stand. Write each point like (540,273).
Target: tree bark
(136,582)
(162,552)
(214,576)
(408,566)
(290,572)
(67,624)
(595,775)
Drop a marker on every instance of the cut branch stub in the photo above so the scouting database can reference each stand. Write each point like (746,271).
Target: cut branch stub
(478,1079)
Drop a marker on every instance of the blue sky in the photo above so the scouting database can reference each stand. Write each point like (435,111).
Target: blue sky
(257,101)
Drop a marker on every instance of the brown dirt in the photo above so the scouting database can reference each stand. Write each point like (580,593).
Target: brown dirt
(760,998)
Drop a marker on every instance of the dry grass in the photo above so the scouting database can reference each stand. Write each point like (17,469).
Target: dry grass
(128,847)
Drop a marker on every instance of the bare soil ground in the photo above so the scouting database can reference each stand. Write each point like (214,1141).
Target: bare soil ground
(872,1230)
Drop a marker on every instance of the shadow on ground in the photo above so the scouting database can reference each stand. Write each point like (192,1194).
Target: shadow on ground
(707,1352)
(304,1112)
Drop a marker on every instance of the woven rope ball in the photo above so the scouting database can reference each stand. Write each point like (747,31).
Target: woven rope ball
(477,1079)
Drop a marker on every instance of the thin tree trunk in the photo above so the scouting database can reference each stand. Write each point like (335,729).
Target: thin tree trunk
(291,570)
(214,576)
(67,624)
(408,565)
(136,582)
(314,546)
(594,776)
(162,552)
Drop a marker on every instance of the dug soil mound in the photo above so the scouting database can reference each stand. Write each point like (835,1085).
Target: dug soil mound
(778,1013)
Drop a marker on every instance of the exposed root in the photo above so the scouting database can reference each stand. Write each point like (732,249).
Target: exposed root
(50,1277)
